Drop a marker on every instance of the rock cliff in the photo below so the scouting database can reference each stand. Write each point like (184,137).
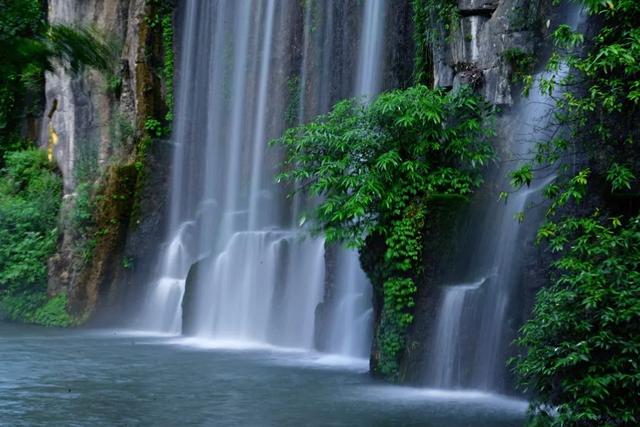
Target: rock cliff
(93,128)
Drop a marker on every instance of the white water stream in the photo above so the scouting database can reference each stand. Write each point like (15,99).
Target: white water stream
(475,322)
(258,279)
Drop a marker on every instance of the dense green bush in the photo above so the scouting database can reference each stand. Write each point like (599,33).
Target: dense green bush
(376,168)
(583,363)
(582,344)
(30,197)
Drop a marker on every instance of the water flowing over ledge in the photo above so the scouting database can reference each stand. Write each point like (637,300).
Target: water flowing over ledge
(239,80)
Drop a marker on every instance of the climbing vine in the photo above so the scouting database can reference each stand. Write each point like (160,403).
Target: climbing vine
(169,59)
(376,168)
(160,18)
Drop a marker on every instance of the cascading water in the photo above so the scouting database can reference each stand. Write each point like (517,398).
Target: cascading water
(473,327)
(258,279)
(445,368)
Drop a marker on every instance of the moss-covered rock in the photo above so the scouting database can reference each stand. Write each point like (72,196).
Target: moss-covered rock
(113,208)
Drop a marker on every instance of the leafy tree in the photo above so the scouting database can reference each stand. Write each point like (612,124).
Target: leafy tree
(376,168)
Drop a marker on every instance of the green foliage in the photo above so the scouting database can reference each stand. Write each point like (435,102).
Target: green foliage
(161,17)
(30,196)
(114,84)
(18,19)
(372,162)
(421,23)
(76,48)
(83,220)
(127,263)
(610,75)
(36,307)
(293,106)
(154,128)
(54,313)
(376,167)
(30,190)
(21,306)
(582,342)
(584,338)
(169,63)
(521,63)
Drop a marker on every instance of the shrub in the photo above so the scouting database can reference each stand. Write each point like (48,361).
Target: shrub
(584,338)
(30,196)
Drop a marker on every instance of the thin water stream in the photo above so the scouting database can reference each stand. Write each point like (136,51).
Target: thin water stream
(475,323)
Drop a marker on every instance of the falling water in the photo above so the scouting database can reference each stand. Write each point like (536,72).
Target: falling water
(352,326)
(368,80)
(473,327)
(446,366)
(257,278)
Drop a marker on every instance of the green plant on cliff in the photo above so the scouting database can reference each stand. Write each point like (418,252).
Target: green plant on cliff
(582,345)
(583,359)
(161,18)
(376,168)
(169,63)
(30,196)
(522,64)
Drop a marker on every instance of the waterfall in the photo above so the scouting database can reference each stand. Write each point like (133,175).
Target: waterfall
(475,319)
(258,279)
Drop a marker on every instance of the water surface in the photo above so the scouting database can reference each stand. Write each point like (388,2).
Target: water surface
(106,378)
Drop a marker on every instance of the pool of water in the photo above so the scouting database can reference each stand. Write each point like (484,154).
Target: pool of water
(106,378)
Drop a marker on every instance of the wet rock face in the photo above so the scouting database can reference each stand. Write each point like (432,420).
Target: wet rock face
(85,131)
(81,109)
(476,6)
(486,29)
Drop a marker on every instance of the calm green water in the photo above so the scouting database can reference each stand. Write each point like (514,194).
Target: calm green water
(106,378)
